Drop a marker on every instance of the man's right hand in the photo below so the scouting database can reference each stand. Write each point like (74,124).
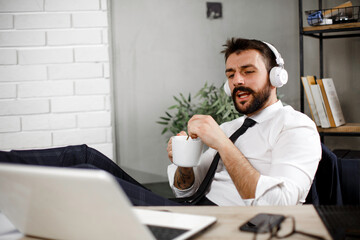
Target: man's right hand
(169,146)
(184,177)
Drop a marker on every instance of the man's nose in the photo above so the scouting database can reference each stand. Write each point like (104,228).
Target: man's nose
(238,79)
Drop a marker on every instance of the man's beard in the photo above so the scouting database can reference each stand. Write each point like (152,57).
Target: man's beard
(258,101)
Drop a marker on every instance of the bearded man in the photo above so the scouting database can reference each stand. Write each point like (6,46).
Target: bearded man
(274,161)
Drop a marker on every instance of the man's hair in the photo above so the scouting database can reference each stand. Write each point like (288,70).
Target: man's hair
(237,45)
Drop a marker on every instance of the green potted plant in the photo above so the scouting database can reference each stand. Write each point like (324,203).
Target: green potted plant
(210,100)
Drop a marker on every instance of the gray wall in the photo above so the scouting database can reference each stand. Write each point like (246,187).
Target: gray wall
(164,47)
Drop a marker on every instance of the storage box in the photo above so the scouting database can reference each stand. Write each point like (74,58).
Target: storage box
(333,15)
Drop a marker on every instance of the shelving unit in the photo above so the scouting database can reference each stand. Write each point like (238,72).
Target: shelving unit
(344,30)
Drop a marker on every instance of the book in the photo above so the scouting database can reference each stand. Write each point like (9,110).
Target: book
(326,102)
(310,99)
(333,101)
(320,105)
(311,80)
(340,9)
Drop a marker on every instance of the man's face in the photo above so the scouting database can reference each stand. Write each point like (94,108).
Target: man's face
(248,81)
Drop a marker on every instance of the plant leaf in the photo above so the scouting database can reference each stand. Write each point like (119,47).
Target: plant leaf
(226,114)
(221,109)
(164,131)
(176,99)
(173,106)
(162,123)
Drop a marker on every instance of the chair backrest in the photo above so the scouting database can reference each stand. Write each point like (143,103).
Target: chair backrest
(349,173)
(326,188)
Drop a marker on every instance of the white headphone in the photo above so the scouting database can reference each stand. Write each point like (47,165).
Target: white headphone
(278,75)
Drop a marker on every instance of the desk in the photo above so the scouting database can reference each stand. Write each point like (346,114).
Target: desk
(230,218)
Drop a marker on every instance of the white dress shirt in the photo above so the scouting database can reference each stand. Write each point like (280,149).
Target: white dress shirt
(284,146)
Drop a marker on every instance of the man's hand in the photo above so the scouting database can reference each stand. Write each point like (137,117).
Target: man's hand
(206,128)
(169,146)
(184,177)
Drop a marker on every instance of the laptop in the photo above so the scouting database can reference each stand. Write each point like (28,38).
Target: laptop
(342,222)
(67,203)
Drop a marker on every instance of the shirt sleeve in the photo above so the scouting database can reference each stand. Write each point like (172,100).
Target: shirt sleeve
(296,154)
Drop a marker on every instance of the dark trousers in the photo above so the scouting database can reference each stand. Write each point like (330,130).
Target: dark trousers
(83,156)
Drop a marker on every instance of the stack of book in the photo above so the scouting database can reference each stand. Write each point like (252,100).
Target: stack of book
(323,102)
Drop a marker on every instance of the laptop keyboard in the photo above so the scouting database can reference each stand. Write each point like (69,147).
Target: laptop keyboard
(165,233)
(342,222)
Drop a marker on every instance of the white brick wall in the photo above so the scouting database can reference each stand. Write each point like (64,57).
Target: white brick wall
(22,73)
(54,74)
(8,91)
(74,37)
(19,107)
(12,38)
(40,21)
(6,21)
(75,70)
(9,124)
(21,5)
(8,56)
(72,5)
(91,54)
(44,56)
(92,86)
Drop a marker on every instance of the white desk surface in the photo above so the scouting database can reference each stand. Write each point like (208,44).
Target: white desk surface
(226,227)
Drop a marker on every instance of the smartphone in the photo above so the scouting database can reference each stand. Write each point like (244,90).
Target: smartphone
(262,223)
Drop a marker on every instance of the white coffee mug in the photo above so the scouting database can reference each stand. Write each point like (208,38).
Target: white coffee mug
(186,152)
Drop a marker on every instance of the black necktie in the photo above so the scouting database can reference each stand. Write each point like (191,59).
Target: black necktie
(200,193)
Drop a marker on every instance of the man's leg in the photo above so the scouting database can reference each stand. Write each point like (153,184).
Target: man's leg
(66,157)
(136,193)
(84,157)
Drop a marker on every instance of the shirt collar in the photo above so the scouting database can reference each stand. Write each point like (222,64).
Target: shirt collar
(267,112)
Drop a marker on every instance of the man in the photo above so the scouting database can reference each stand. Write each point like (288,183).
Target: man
(273,162)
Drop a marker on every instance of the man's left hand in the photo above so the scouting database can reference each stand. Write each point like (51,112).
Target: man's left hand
(207,129)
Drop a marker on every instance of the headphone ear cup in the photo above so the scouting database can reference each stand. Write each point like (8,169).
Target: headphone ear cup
(227,88)
(278,76)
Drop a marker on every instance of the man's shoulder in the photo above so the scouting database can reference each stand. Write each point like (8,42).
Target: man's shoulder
(289,116)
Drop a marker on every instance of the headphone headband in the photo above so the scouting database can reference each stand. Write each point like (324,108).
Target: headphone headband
(279,59)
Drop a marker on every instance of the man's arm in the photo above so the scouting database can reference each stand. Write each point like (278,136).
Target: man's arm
(243,174)
(184,177)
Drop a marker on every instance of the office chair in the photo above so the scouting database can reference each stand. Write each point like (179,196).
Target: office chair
(349,173)
(326,187)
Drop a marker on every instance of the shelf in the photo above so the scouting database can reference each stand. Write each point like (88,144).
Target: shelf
(342,30)
(346,28)
(347,129)
(333,27)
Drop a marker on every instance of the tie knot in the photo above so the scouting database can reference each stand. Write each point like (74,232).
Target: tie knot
(249,122)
